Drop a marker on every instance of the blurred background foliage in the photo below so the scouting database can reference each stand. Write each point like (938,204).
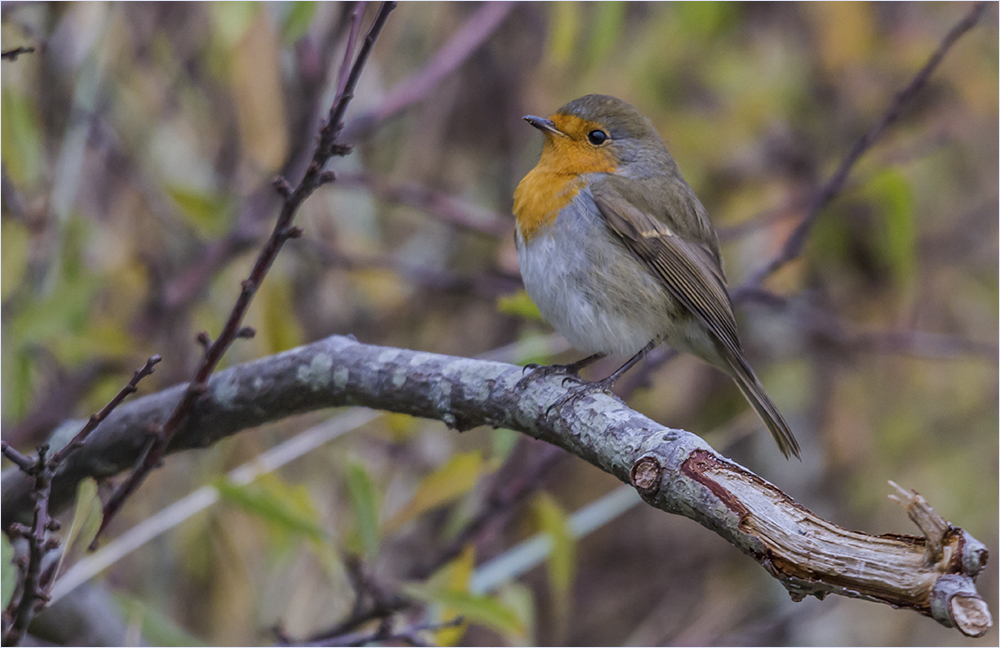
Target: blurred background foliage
(138,146)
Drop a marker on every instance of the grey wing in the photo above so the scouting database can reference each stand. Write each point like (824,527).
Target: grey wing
(689,270)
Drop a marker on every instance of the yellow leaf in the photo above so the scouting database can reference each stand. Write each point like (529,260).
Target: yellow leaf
(518,305)
(449,589)
(401,426)
(86,516)
(553,522)
(279,327)
(456,575)
(845,30)
(21,146)
(444,485)
(364,502)
(14,243)
(565,31)
(259,95)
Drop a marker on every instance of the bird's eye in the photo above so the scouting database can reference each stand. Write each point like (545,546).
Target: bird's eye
(597,137)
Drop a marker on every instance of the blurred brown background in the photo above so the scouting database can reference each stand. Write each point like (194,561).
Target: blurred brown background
(138,146)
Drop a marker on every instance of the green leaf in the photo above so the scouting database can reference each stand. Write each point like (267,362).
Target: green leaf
(552,521)
(701,20)
(518,305)
(156,628)
(232,20)
(453,576)
(14,262)
(286,508)
(65,310)
(279,329)
(18,370)
(8,573)
(86,515)
(521,600)
(297,21)
(20,138)
(893,198)
(444,485)
(208,213)
(504,442)
(608,19)
(364,504)
(475,608)
(565,31)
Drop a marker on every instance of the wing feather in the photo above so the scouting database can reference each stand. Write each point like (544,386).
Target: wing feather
(689,270)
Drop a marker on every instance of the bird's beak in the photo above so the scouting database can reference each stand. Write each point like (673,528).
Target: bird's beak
(544,125)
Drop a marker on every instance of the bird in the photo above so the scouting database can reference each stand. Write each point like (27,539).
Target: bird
(619,255)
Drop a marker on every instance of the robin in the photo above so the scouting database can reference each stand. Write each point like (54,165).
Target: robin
(618,253)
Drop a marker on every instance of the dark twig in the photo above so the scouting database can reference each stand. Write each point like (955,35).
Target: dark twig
(57,401)
(385,633)
(34,585)
(11,55)
(844,335)
(352,41)
(511,485)
(24,462)
(371,602)
(520,476)
(446,208)
(796,240)
(313,178)
(96,419)
(488,285)
(463,43)
(32,592)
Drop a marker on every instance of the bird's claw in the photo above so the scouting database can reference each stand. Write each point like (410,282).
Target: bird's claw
(579,390)
(541,371)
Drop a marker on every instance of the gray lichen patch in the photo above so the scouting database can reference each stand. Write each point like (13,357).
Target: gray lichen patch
(226,390)
(317,374)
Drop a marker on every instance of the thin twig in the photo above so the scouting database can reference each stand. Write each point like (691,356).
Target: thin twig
(11,55)
(313,178)
(796,240)
(32,589)
(96,419)
(23,461)
(445,207)
(34,586)
(352,41)
(517,479)
(383,634)
(462,44)
(847,337)
(508,491)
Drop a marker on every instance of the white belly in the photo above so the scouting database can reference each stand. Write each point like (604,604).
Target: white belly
(592,289)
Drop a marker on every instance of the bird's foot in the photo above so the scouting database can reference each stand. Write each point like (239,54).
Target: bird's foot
(537,372)
(582,388)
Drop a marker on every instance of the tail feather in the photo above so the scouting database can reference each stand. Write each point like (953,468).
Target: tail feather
(769,414)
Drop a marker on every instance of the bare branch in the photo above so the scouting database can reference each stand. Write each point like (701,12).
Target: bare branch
(12,54)
(463,43)
(314,177)
(24,462)
(674,470)
(847,336)
(33,585)
(96,419)
(449,209)
(796,240)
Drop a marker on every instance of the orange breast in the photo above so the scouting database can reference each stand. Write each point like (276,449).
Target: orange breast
(539,197)
(559,175)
